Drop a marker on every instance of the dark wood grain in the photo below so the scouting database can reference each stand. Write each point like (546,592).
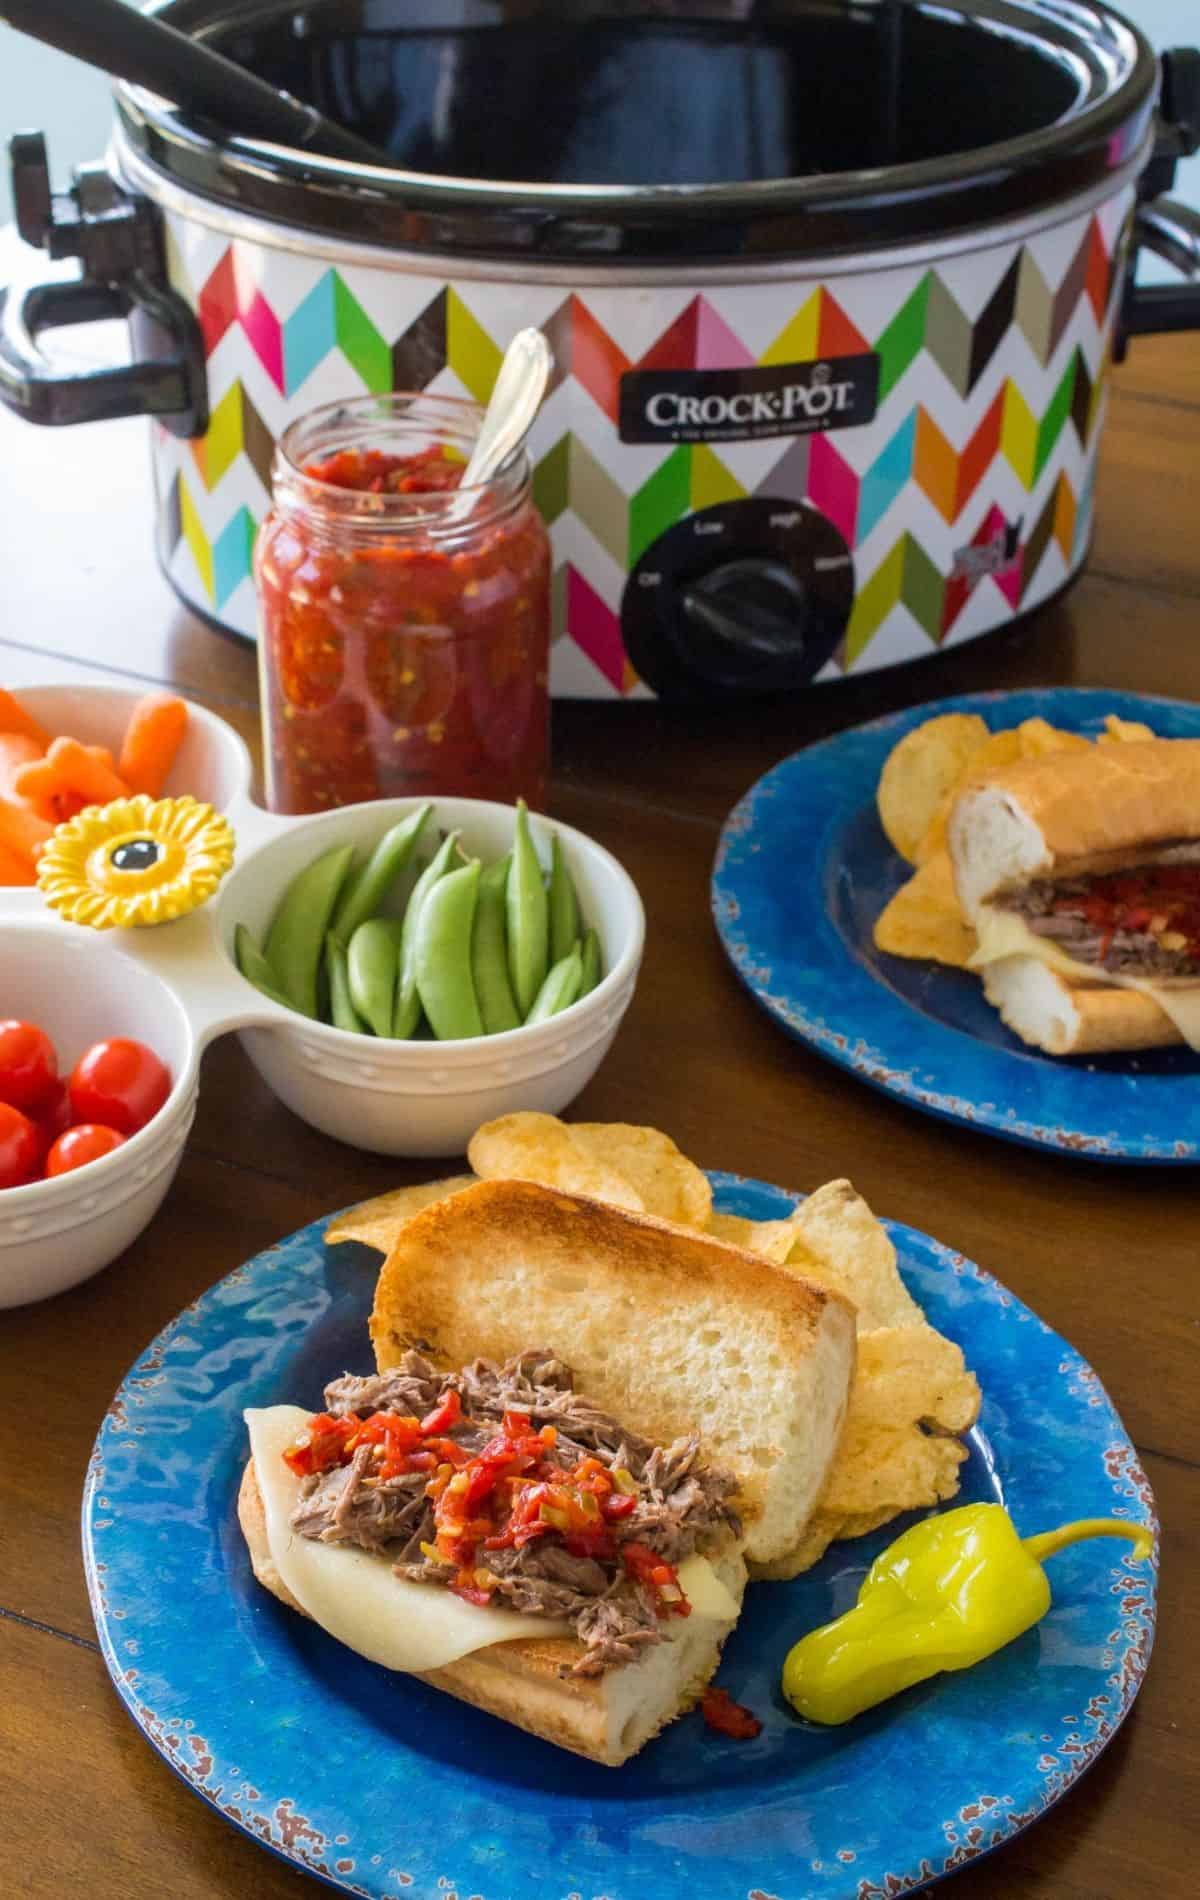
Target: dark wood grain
(1107,1256)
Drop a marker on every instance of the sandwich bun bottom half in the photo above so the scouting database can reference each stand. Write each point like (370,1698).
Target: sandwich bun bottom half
(1047,1010)
(606,1718)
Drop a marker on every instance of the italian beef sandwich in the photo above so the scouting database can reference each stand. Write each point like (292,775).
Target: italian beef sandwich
(1080,872)
(582,1424)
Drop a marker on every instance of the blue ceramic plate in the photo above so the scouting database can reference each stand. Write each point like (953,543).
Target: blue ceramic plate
(802,871)
(385,1788)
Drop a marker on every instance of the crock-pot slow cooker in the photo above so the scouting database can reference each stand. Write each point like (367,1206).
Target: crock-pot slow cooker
(831,288)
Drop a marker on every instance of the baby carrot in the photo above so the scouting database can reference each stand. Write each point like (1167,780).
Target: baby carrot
(15,869)
(40,787)
(87,769)
(21,830)
(14,718)
(36,785)
(152,738)
(16,749)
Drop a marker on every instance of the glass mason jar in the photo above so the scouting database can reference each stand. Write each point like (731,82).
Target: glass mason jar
(404,622)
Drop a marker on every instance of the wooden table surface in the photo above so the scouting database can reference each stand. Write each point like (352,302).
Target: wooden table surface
(1107,1255)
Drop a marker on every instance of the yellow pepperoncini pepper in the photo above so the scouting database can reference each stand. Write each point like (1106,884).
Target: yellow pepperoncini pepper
(949,1592)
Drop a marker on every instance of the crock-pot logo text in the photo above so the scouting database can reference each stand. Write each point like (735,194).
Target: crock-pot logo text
(739,405)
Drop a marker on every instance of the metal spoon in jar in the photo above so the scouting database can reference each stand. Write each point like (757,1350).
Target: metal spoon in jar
(517,394)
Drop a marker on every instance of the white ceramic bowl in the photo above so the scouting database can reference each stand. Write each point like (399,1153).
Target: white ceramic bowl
(419,1097)
(81,989)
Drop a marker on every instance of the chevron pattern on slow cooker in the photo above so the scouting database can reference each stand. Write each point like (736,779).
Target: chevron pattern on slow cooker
(988,417)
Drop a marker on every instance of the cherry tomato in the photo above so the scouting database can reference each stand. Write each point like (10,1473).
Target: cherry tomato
(20,1148)
(87,1141)
(28,1066)
(119,1083)
(53,1118)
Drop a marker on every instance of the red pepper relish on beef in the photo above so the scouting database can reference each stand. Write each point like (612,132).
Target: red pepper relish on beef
(510,1488)
(1141,922)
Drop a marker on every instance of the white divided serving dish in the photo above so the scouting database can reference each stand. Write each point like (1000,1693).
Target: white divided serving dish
(176,986)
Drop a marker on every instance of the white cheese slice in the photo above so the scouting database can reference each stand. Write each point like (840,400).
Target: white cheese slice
(1003,934)
(356,1596)
(706,1593)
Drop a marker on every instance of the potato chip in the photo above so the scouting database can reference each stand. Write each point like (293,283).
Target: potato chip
(920,770)
(671,1186)
(734,1229)
(998,749)
(376,1223)
(923,919)
(912,1392)
(891,1468)
(532,1147)
(1118,731)
(772,1240)
(913,1373)
(859,1523)
(848,1249)
(1038,737)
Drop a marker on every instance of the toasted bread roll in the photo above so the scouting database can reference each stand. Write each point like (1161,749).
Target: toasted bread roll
(1073,813)
(670,1331)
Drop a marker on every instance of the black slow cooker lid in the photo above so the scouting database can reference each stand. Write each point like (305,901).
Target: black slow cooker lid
(717,129)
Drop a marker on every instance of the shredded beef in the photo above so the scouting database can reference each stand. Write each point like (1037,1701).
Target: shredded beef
(1123,952)
(411,1388)
(540,1384)
(582,1574)
(681,1502)
(677,1499)
(615,1630)
(341,1507)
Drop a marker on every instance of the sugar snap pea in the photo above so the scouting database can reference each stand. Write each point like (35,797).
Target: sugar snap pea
(254,966)
(297,933)
(560,988)
(590,957)
(373,968)
(564,905)
(341,1006)
(489,952)
(408,1002)
(528,912)
(366,888)
(442,955)
(502,944)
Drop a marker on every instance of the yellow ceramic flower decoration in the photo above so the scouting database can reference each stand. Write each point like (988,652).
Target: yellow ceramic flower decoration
(137,861)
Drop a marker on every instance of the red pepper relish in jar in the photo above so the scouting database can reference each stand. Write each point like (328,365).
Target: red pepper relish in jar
(404,623)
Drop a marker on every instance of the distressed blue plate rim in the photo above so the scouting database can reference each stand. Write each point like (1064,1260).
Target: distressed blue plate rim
(309,1751)
(785,945)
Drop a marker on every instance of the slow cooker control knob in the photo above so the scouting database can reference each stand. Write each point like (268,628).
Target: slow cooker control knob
(746,615)
(748,596)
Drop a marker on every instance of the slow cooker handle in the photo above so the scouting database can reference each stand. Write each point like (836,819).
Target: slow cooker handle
(1161,223)
(117,240)
(1172,231)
